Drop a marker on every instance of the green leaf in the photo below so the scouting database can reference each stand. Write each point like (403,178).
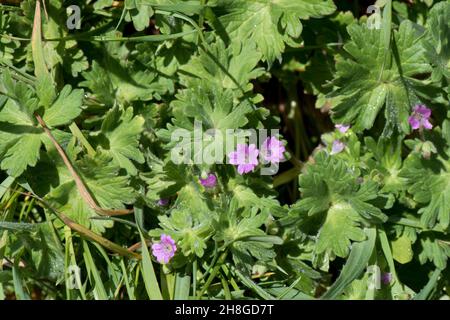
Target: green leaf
(269,24)
(164,180)
(213,107)
(424,294)
(139,11)
(241,232)
(210,108)
(19,93)
(222,66)
(366,82)
(47,253)
(5,185)
(14,226)
(148,272)
(341,226)
(437,44)
(429,182)
(20,138)
(123,130)
(355,265)
(100,4)
(388,160)
(434,247)
(335,203)
(401,250)
(18,284)
(182,286)
(94,274)
(189,228)
(116,77)
(99,82)
(22,151)
(102,179)
(247,198)
(44,85)
(43,246)
(66,107)
(8,47)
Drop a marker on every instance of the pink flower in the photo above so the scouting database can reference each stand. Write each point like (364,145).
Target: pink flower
(420,118)
(273,150)
(209,182)
(337,147)
(163,202)
(342,127)
(386,277)
(245,157)
(165,249)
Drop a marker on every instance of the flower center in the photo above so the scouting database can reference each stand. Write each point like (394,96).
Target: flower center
(167,248)
(246,156)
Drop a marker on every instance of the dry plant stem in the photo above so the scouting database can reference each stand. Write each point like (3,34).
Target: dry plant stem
(95,237)
(85,232)
(138,245)
(78,181)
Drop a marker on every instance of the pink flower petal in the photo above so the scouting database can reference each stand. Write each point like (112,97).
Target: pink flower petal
(420,118)
(272,150)
(233,157)
(415,124)
(245,157)
(423,111)
(426,124)
(165,249)
(342,128)
(163,202)
(337,147)
(209,182)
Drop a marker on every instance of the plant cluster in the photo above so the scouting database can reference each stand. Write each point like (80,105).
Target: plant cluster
(93,204)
